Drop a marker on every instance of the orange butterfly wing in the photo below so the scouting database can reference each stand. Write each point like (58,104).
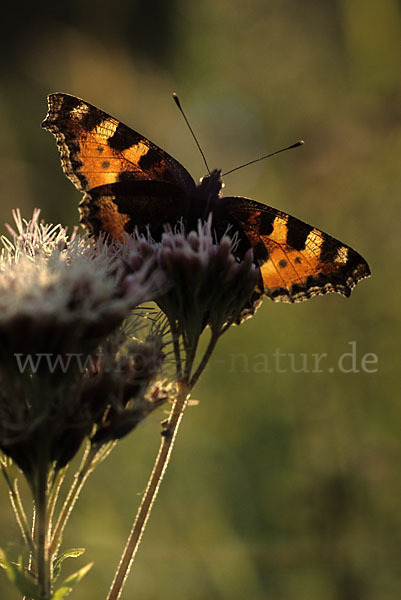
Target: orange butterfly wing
(102,156)
(96,149)
(296,260)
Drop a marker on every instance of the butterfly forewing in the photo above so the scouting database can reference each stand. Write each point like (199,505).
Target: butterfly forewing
(296,260)
(97,149)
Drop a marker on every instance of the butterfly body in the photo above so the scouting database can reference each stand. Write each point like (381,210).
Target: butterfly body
(129,183)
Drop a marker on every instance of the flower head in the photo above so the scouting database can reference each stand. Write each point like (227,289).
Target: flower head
(60,295)
(206,283)
(61,299)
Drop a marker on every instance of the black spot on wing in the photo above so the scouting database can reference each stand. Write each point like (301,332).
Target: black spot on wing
(123,138)
(148,160)
(266,221)
(297,233)
(105,164)
(328,249)
(68,103)
(92,118)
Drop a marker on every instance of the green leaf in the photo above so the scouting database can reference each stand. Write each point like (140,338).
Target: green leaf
(69,583)
(20,577)
(72,553)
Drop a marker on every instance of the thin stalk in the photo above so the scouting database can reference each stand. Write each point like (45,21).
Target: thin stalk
(18,508)
(31,561)
(69,502)
(43,563)
(90,459)
(176,346)
(55,491)
(152,489)
(209,350)
(190,352)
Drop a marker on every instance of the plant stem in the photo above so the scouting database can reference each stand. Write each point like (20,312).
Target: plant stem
(90,459)
(69,502)
(160,466)
(54,493)
(177,355)
(42,529)
(205,359)
(18,508)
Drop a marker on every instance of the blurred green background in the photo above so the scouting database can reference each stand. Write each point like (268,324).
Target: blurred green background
(283,485)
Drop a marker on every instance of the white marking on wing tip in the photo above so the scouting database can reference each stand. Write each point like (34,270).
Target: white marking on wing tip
(80,111)
(314,240)
(341,255)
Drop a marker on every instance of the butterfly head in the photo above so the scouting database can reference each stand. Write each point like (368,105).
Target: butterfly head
(210,185)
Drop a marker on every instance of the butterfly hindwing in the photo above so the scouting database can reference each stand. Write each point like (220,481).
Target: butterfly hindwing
(123,207)
(96,149)
(296,261)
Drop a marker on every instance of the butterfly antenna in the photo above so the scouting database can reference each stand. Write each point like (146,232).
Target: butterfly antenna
(178,103)
(299,143)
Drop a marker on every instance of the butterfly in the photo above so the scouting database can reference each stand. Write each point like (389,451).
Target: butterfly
(129,182)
